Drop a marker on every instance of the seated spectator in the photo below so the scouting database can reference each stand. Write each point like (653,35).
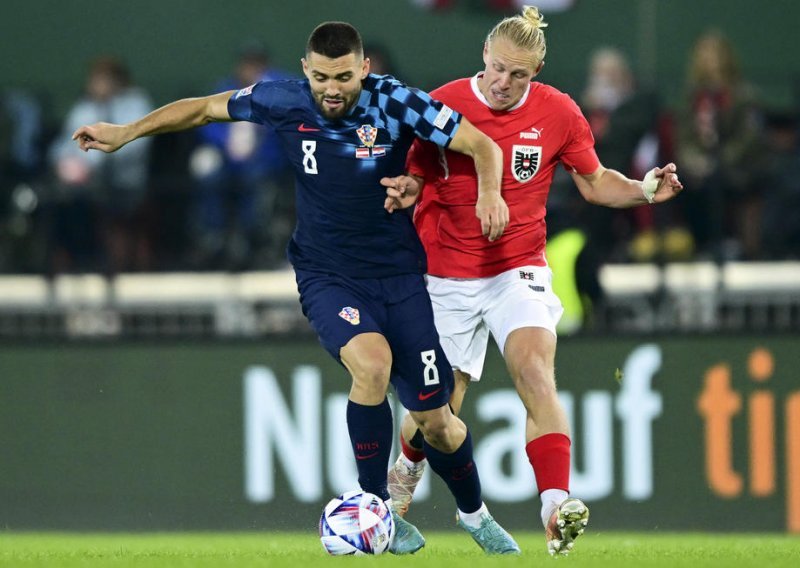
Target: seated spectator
(719,149)
(623,119)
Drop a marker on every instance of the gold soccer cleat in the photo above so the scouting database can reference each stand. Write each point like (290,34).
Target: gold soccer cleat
(566,524)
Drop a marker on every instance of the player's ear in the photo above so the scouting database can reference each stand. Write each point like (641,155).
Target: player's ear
(305,66)
(538,69)
(486,52)
(365,68)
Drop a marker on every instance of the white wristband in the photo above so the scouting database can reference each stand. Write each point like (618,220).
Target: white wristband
(650,185)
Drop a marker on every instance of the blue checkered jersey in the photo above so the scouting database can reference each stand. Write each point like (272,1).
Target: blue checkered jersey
(342,227)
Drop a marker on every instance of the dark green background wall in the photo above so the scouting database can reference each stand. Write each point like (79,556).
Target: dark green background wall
(180,47)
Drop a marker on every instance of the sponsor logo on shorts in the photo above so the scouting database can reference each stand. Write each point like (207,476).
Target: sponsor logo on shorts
(427,395)
(350,315)
(527,275)
(536,288)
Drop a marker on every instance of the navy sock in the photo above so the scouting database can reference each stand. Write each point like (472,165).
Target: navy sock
(371,430)
(459,473)
(417,440)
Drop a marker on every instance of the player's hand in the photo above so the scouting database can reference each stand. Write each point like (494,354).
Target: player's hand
(101,136)
(401,192)
(492,211)
(663,184)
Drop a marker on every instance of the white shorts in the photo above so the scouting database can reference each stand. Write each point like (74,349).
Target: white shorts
(467,310)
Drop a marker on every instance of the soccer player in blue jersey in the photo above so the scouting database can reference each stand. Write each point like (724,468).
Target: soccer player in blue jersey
(360,269)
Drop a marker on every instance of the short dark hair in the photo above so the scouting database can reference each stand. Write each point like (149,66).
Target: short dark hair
(335,39)
(113,67)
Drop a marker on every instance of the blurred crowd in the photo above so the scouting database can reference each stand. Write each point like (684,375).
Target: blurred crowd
(737,159)
(221,197)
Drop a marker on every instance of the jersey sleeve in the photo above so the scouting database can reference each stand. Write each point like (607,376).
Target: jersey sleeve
(251,104)
(428,118)
(578,154)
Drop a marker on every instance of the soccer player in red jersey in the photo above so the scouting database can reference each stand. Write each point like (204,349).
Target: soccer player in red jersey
(504,286)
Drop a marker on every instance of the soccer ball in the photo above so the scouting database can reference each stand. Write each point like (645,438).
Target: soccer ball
(356,523)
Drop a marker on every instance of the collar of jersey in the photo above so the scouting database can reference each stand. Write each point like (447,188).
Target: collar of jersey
(363,99)
(475,89)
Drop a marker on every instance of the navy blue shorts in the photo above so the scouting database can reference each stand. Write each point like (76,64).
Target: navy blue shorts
(397,307)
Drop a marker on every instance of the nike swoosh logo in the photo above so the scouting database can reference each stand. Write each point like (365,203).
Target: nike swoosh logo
(366,456)
(304,128)
(426,396)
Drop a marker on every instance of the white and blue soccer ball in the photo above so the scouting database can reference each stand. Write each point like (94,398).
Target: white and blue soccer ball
(356,523)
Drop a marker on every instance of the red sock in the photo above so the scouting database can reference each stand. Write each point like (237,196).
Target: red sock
(412,453)
(549,457)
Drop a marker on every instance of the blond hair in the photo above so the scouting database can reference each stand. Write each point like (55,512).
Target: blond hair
(525,31)
(713,62)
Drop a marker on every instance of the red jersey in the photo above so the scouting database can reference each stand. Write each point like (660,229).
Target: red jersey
(546,127)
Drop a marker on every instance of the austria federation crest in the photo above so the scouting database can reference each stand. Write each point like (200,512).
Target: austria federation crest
(367,134)
(525,162)
(350,315)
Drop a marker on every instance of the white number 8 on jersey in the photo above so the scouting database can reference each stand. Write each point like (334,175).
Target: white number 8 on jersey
(309,160)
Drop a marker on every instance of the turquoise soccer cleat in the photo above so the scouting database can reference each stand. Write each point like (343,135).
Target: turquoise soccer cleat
(407,539)
(490,536)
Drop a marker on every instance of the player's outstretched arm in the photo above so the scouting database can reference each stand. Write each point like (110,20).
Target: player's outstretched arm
(612,189)
(179,115)
(491,208)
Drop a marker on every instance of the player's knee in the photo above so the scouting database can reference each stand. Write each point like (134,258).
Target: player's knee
(371,375)
(372,383)
(536,380)
(372,367)
(440,428)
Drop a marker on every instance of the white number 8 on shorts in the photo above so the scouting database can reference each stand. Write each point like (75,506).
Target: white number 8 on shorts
(430,372)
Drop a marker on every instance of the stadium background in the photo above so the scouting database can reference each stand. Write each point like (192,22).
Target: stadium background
(184,421)
(178,48)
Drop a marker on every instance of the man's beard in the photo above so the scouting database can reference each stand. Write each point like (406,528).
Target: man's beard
(336,112)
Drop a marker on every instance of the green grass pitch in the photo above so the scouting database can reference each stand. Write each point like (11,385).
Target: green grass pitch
(444,549)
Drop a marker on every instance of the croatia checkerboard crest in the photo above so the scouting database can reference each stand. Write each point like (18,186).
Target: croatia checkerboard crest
(350,315)
(525,162)
(367,134)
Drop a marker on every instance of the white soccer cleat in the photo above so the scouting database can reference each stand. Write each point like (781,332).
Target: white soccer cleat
(566,524)
(403,480)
